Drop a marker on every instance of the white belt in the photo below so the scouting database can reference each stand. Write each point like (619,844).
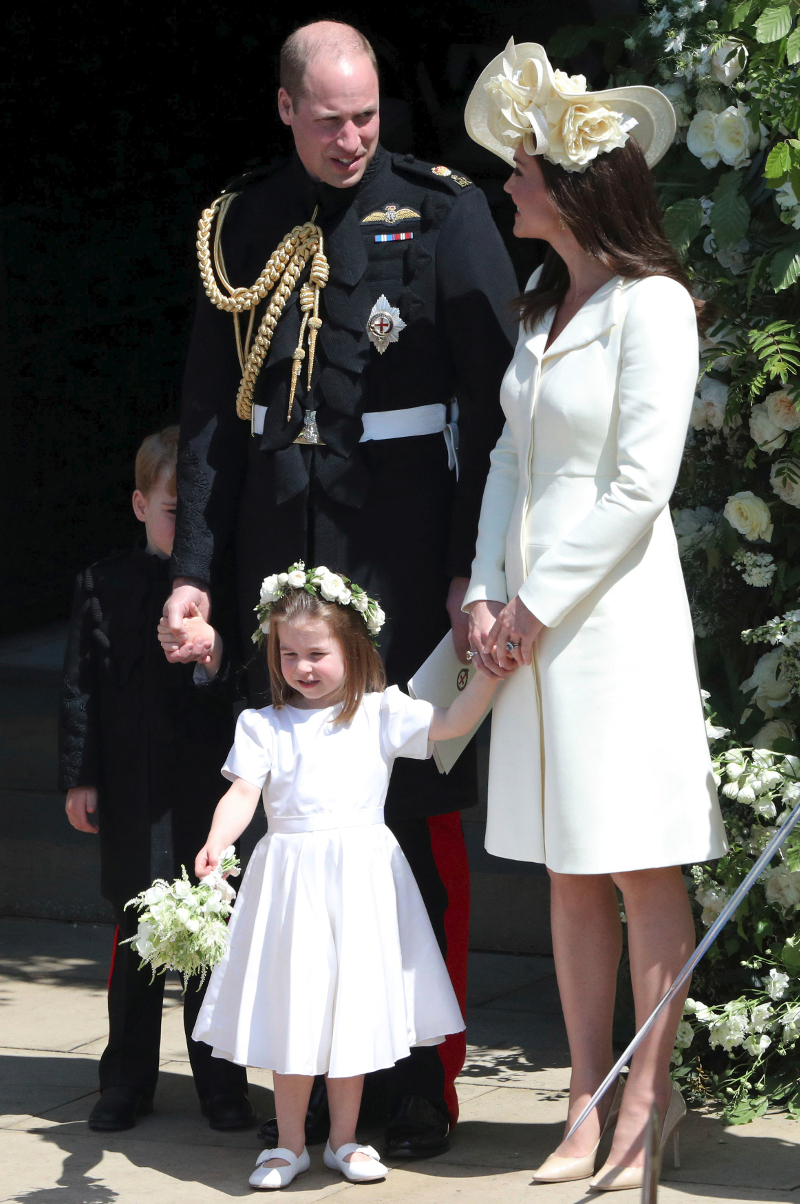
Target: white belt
(400,424)
(324,822)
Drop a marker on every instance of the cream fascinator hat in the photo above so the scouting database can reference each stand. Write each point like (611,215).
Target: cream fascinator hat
(520,98)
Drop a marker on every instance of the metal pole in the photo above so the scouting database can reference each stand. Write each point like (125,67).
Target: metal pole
(652,1158)
(708,940)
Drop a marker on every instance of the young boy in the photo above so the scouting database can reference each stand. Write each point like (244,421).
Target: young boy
(141,745)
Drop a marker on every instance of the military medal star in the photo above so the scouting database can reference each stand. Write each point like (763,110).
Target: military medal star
(384,324)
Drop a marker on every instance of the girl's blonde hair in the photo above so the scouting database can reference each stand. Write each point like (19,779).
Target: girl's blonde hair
(364,671)
(157,455)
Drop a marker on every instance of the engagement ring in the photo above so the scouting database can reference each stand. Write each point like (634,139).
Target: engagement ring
(471,655)
(510,646)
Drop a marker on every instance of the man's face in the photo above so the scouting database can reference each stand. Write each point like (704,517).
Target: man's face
(335,123)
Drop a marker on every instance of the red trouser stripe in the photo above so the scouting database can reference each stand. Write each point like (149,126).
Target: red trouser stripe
(450,855)
(113,957)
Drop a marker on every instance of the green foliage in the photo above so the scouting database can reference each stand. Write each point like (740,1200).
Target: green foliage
(683,222)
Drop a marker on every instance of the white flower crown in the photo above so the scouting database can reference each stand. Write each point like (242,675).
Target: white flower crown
(527,106)
(320,583)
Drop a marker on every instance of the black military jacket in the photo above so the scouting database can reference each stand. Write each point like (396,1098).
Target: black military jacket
(452,283)
(137,728)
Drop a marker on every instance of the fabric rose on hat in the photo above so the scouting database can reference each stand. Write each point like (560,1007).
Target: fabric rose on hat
(782,409)
(749,515)
(763,431)
(788,490)
(518,96)
(582,130)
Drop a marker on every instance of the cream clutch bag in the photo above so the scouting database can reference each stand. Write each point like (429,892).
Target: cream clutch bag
(439,681)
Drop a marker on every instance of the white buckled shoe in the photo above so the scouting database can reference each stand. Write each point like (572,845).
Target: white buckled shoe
(271,1178)
(356,1172)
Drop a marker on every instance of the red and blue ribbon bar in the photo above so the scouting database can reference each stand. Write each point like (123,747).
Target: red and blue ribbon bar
(394,237)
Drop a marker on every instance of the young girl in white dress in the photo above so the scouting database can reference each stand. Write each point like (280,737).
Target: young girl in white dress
(333,967)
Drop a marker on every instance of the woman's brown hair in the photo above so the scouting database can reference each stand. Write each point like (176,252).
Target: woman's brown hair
(364,671)
(613,211)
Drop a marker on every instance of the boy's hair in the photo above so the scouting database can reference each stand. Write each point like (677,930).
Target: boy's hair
(157,455)
(364,671)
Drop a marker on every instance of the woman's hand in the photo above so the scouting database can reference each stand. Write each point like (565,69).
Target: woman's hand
(514,625)
(482,616)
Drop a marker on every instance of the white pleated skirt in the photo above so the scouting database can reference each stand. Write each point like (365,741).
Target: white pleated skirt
(332,965)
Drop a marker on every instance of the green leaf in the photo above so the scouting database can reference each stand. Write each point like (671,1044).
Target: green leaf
(730,215)
(570,40)
(790,955)
(739,14)
(793,46)
(784,267)
(682,223)
(779,161)
(774,23)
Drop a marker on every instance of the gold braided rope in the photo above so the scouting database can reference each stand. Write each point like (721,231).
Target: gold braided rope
(282,272)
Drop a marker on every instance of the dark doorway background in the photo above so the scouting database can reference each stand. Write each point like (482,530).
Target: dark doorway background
(121,122)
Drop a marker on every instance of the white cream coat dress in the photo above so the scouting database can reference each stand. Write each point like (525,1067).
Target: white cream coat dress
(599,758)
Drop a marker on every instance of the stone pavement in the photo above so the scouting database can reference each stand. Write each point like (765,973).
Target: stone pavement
(52,1030)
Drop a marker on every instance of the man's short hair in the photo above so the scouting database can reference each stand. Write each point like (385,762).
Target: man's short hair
(157,455)
(330,39)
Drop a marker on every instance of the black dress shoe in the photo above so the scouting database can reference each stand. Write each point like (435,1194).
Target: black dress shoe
(228,1110)
(318,1121)
(417,1129)
(118,1108)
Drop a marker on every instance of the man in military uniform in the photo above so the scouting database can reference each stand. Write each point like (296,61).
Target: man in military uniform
(405,307)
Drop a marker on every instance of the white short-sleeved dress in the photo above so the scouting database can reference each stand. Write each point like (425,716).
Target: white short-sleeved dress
(332,966)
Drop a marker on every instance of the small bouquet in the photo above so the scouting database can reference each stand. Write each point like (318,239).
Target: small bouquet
(184,927)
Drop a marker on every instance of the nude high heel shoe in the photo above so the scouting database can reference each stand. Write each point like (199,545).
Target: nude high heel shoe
(621,1178)
(558,1169)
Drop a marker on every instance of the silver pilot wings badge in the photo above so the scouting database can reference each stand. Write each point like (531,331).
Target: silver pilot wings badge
(384,324)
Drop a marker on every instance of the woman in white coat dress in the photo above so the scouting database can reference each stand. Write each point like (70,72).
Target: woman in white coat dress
(599,761)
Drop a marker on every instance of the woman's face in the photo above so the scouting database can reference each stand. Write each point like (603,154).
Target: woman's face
(536,215)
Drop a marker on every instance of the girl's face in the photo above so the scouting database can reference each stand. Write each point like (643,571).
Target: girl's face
(537,216)
(312,662)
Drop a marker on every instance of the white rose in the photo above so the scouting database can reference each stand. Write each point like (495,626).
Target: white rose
(331,586)
(710,99)
(183,914)
(144,947)
(764,431)
(786,489)
(782,409)
(775,729)
(154,894)
(749,515)
(296,579)
(269,588)
(376,620)
(582,130)
(283,578)
(360,602)
(182,889)
(782,887)
(733,136)
(725,65)
(771,690)
(345,597)
(701,138)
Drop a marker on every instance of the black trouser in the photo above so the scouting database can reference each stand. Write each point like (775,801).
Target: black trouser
(134,1021)
(422,1072)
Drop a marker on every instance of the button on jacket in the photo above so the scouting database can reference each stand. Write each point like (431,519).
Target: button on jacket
(599,759)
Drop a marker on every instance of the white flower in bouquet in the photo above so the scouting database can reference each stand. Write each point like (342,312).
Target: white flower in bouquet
(782,408)
(182,927)
(296,579)
(764,432)
(728,1031)
(787,489)
(771,689)
(777,984)
(782,887)
(749,515)
(725,65)
(774,729)
(701,138)
(269,587)
(708,408)
(756,1043)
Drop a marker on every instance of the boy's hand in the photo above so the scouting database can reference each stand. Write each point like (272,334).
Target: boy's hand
(203,643)
(82,803)
(177,608)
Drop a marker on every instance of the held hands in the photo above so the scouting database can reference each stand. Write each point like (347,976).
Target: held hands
(202,644)
(81,806)
(183,603)
(492,626)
